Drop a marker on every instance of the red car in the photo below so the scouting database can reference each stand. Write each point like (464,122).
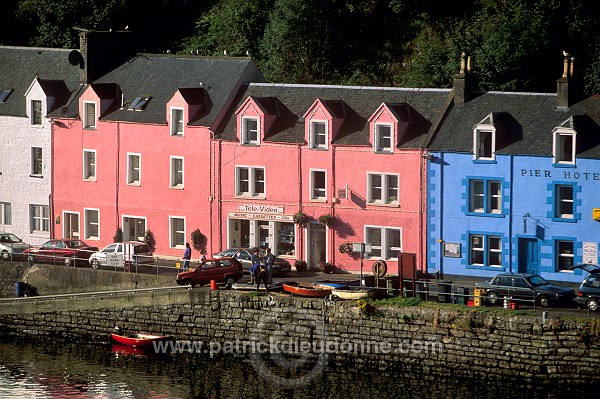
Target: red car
(67,251)
(228,270)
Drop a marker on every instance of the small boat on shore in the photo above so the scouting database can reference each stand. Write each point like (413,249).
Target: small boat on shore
(137,340)
(306,289)
(332,284)
(354,292)
(273,287)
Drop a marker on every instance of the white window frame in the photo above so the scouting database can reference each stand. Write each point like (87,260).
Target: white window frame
(87,176)
(385,199)
(87,123)
(560,201)
(35,162)
(317,194)
(35,114)
(173,232)
(485,248)
(377,138)
(174,173)
(478,151)
(176,124)
(252,181)
(245,131)
(130,169)
(5,214)
(38,216)
(312,134)
(87,224)
(486,195)
(558,137)
(386,246)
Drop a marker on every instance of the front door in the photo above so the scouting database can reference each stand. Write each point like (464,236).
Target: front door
(71,225)
(263,235)
(528,255)
(316,245)
(133,228)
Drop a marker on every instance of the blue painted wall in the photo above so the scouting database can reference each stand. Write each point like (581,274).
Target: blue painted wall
(528,212)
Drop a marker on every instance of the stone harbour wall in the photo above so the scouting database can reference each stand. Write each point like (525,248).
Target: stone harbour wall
(435,339)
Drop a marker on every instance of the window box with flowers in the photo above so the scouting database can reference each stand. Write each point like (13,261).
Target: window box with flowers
(300,219)
(345,248)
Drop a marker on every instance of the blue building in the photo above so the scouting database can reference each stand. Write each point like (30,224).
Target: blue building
(514,182)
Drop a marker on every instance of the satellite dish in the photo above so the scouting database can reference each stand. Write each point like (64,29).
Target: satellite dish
(75,58)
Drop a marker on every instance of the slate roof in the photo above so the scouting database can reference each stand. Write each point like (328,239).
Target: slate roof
(524,122)
(19,67)
(159,76)
(354,103)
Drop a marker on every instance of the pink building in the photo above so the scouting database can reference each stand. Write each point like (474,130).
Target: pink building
(352,153)
(137,154)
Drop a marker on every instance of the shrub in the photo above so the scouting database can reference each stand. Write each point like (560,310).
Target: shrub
(327,267)
(150,240)
(118,237)
(300,266)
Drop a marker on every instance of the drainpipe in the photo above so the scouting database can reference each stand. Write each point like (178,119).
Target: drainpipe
(117,173)
(331,231)
(441,218)
(510,214)
(300,249)
(423,199)
(51,198)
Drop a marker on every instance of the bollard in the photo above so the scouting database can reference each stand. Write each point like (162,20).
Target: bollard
(544,317)
(505,302)
(213,285)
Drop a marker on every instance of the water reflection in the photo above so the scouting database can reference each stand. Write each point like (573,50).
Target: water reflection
(57,370)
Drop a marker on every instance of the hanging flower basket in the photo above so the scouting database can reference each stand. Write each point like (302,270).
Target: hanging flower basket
(345,248)
(300,219)
(326,220)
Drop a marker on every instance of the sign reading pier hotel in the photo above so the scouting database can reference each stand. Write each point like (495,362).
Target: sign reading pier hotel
(260,212)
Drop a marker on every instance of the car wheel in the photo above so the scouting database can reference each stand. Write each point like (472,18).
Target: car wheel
(544,301)
(229,281)
(592,304)
(5,255)
(95,263)
(31,259)
(189,282)
(492,298)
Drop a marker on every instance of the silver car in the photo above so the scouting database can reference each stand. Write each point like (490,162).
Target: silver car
(12,247)
(131,251)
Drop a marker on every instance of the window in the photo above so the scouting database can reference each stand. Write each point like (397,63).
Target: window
(177,227)
(485,250)
(92,224)
(134,171)
(4,93)
(89,115)
(564,202)
(318,135)
(89,165)
(383,138)
(138,104)
(5,213)
(317,184)
(484,144)
(250,181)
(564,255)
(564,147)
(36,161)
(176,172)
(382,188)
(176,122)
(485,196)
(250,131)
(386,242)
(39,218)
(36,112)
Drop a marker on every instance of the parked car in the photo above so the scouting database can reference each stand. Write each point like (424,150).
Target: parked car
(135,252)
(66,250)
(12,247)
(526,287)
(244,255)
(588,293)
(228,270)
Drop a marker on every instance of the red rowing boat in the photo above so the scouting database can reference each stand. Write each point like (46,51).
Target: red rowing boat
(139,340)
(306,289)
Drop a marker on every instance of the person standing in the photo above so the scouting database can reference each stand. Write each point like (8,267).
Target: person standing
(255,259)
(269,261)
(261,276)
(202,256)
(187,255)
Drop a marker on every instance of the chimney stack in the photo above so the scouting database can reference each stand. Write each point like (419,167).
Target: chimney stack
(563,100)
(462,84)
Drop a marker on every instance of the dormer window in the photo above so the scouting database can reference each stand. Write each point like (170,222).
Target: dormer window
(383,138)
(484,144)
(564,147)
(176,121)
(318,135)
(36,112)
(4,93)
(89,115)
(138,104)
(250,134)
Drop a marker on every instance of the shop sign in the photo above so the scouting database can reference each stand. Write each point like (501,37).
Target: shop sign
(260,209)
(260,216)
